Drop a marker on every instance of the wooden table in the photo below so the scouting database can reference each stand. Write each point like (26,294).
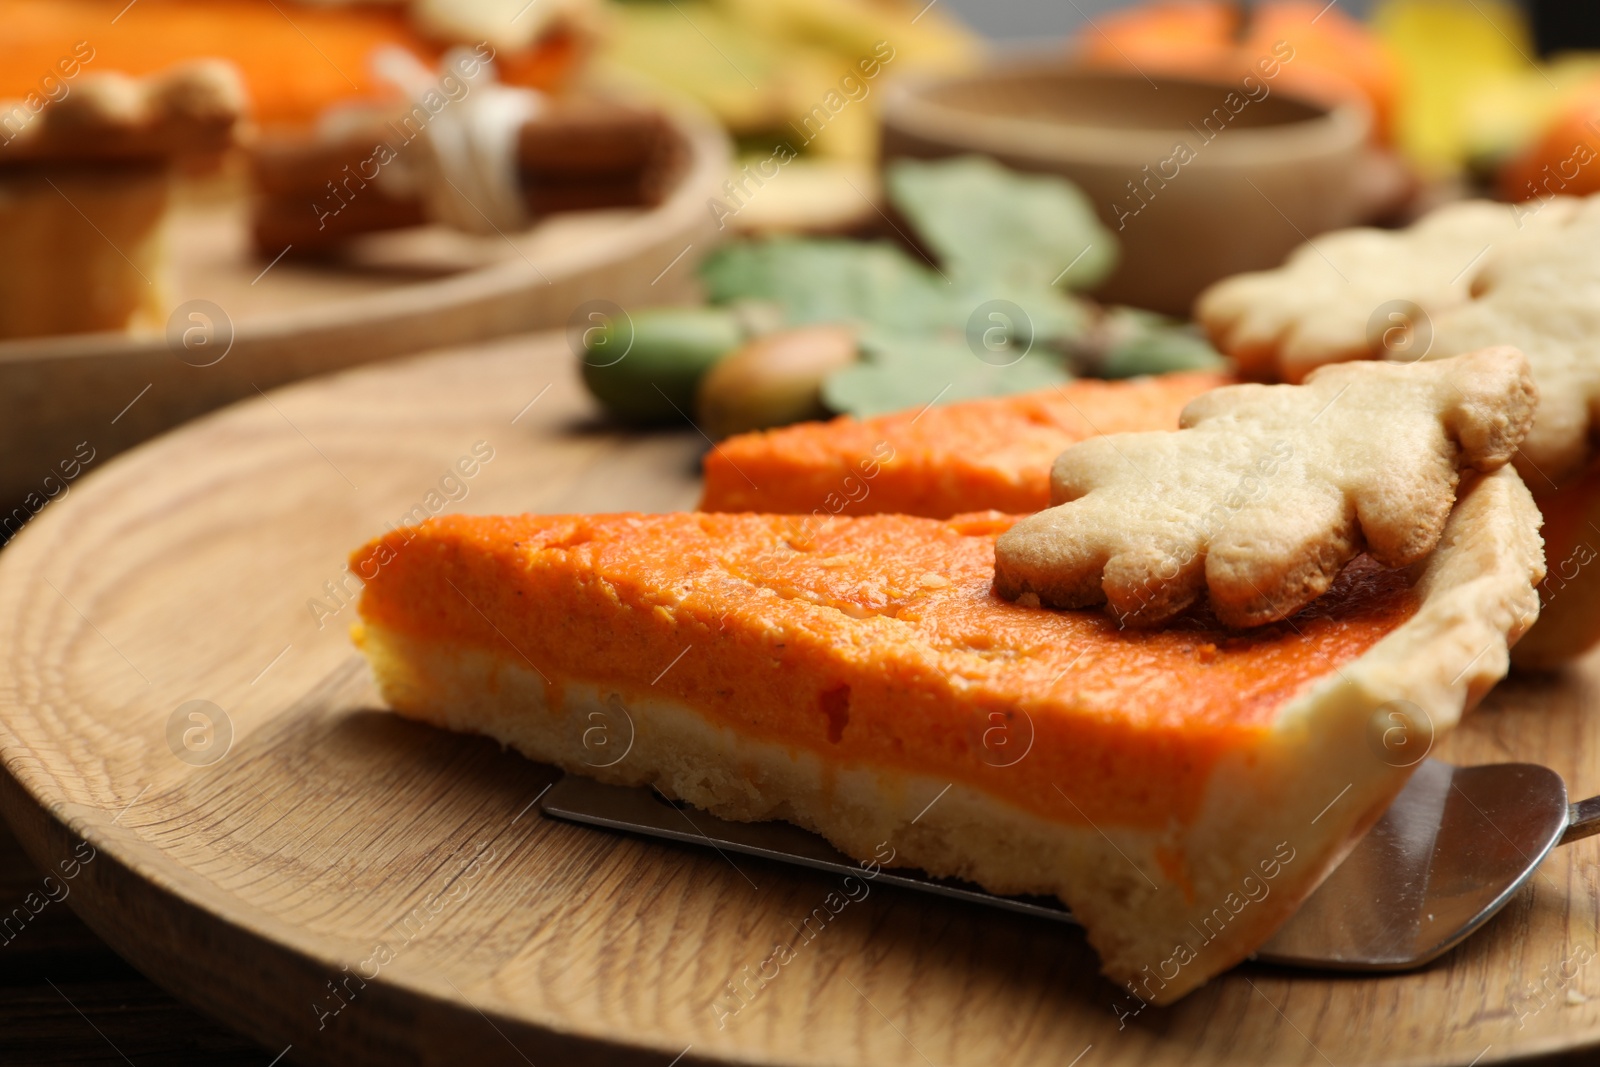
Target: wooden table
(66,998)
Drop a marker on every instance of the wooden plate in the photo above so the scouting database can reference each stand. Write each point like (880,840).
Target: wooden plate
(280,322)
(371,891)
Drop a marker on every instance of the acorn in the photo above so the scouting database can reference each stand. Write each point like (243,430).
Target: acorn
(773,380)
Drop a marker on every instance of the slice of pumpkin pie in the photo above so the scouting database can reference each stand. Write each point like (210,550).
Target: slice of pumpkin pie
(938,461)
(1181,789)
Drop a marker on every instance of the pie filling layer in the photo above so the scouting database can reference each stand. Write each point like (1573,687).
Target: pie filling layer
(873,642)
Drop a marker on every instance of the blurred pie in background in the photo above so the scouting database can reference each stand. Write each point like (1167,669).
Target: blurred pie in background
(104,153)
(296,59)
(101,103)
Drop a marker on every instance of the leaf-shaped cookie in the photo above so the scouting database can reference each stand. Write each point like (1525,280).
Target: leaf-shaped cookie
(1541,293)
(1266,492)
(1346,295)
(1481,274)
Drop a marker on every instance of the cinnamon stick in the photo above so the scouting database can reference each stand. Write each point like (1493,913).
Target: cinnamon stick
(315,193)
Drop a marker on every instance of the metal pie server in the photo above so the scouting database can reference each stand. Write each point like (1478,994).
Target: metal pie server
(1452,849)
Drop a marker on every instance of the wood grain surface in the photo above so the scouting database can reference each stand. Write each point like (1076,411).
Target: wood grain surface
(371,891)
(280,322)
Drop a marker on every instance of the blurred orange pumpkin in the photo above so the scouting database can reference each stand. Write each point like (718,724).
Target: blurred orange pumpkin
(1565,160)
(1214,39)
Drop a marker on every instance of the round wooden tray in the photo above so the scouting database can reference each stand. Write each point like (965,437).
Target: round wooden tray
(321,874)
(398,293)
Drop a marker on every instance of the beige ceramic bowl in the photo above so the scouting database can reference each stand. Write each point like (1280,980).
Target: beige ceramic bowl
(1196,183)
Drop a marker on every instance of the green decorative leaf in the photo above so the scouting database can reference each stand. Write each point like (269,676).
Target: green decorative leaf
(1162,352)
(989,225)
(827,280)
(1011,247)
(1052,317)
(898,372)
(872,284)
(1128,342)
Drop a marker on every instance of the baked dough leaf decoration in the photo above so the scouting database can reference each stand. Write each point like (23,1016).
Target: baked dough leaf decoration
(1267,491)
(1341,296)
(194,110)
(1541,293)
(1465,277)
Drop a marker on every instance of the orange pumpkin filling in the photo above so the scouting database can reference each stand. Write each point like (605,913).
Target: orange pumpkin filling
(941,461)
(872,641)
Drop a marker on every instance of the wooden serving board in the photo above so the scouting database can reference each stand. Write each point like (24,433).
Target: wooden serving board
(371,891)
(278,322)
